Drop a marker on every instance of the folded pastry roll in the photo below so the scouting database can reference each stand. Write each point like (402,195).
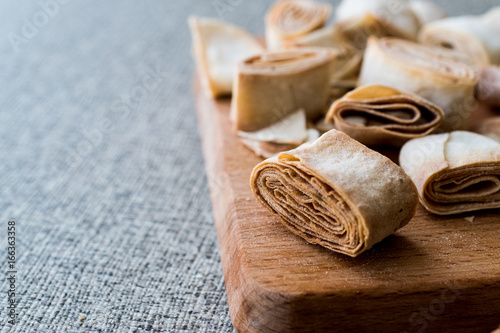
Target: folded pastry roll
(291,19)
(429,72)
(348,60)
(359,19)
(217,48)
(491,128)
(274,85)
(454,172)
(380,115)
(286,134)
(330,37)
(471,35)
(337,193)
(488,86)
(427,11)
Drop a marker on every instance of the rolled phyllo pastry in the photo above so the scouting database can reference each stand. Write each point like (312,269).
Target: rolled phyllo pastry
(337,193)
(217,48)
(330,37)
(273,85)
(454,172)
(348,59)
(379,115)
(291,19)
(427,11)
(471,35)
(361,18)
(488,85)
(429,72)
(491,128)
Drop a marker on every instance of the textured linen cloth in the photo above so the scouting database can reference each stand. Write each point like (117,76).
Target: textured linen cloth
(101,165)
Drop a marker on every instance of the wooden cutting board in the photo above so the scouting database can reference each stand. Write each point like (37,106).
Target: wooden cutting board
(438,274)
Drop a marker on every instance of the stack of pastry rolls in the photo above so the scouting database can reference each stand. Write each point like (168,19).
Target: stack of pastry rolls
(318,98)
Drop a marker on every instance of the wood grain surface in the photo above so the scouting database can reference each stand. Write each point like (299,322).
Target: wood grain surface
(438,274)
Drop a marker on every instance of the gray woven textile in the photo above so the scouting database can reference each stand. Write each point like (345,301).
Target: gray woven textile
(102,169)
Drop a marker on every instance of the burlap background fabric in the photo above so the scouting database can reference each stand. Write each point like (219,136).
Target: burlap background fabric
(101,165)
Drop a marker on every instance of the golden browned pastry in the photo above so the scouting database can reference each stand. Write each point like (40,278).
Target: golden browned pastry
(274,85)
(217,48)
(380,115)
(430,72)
(290,19)
(454,172)
(337,193)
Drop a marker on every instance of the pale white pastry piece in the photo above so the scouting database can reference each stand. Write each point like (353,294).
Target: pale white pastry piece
(475,36)
(313,134)
(217,48)
(427,11)
(288,133)
(377,115)
(290,19)
(291,129)
(266,149)
(429,72)
(389,17)
(492,17)
(454,172)
(273,85)
(488,86)
(337,193)
(491,128)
